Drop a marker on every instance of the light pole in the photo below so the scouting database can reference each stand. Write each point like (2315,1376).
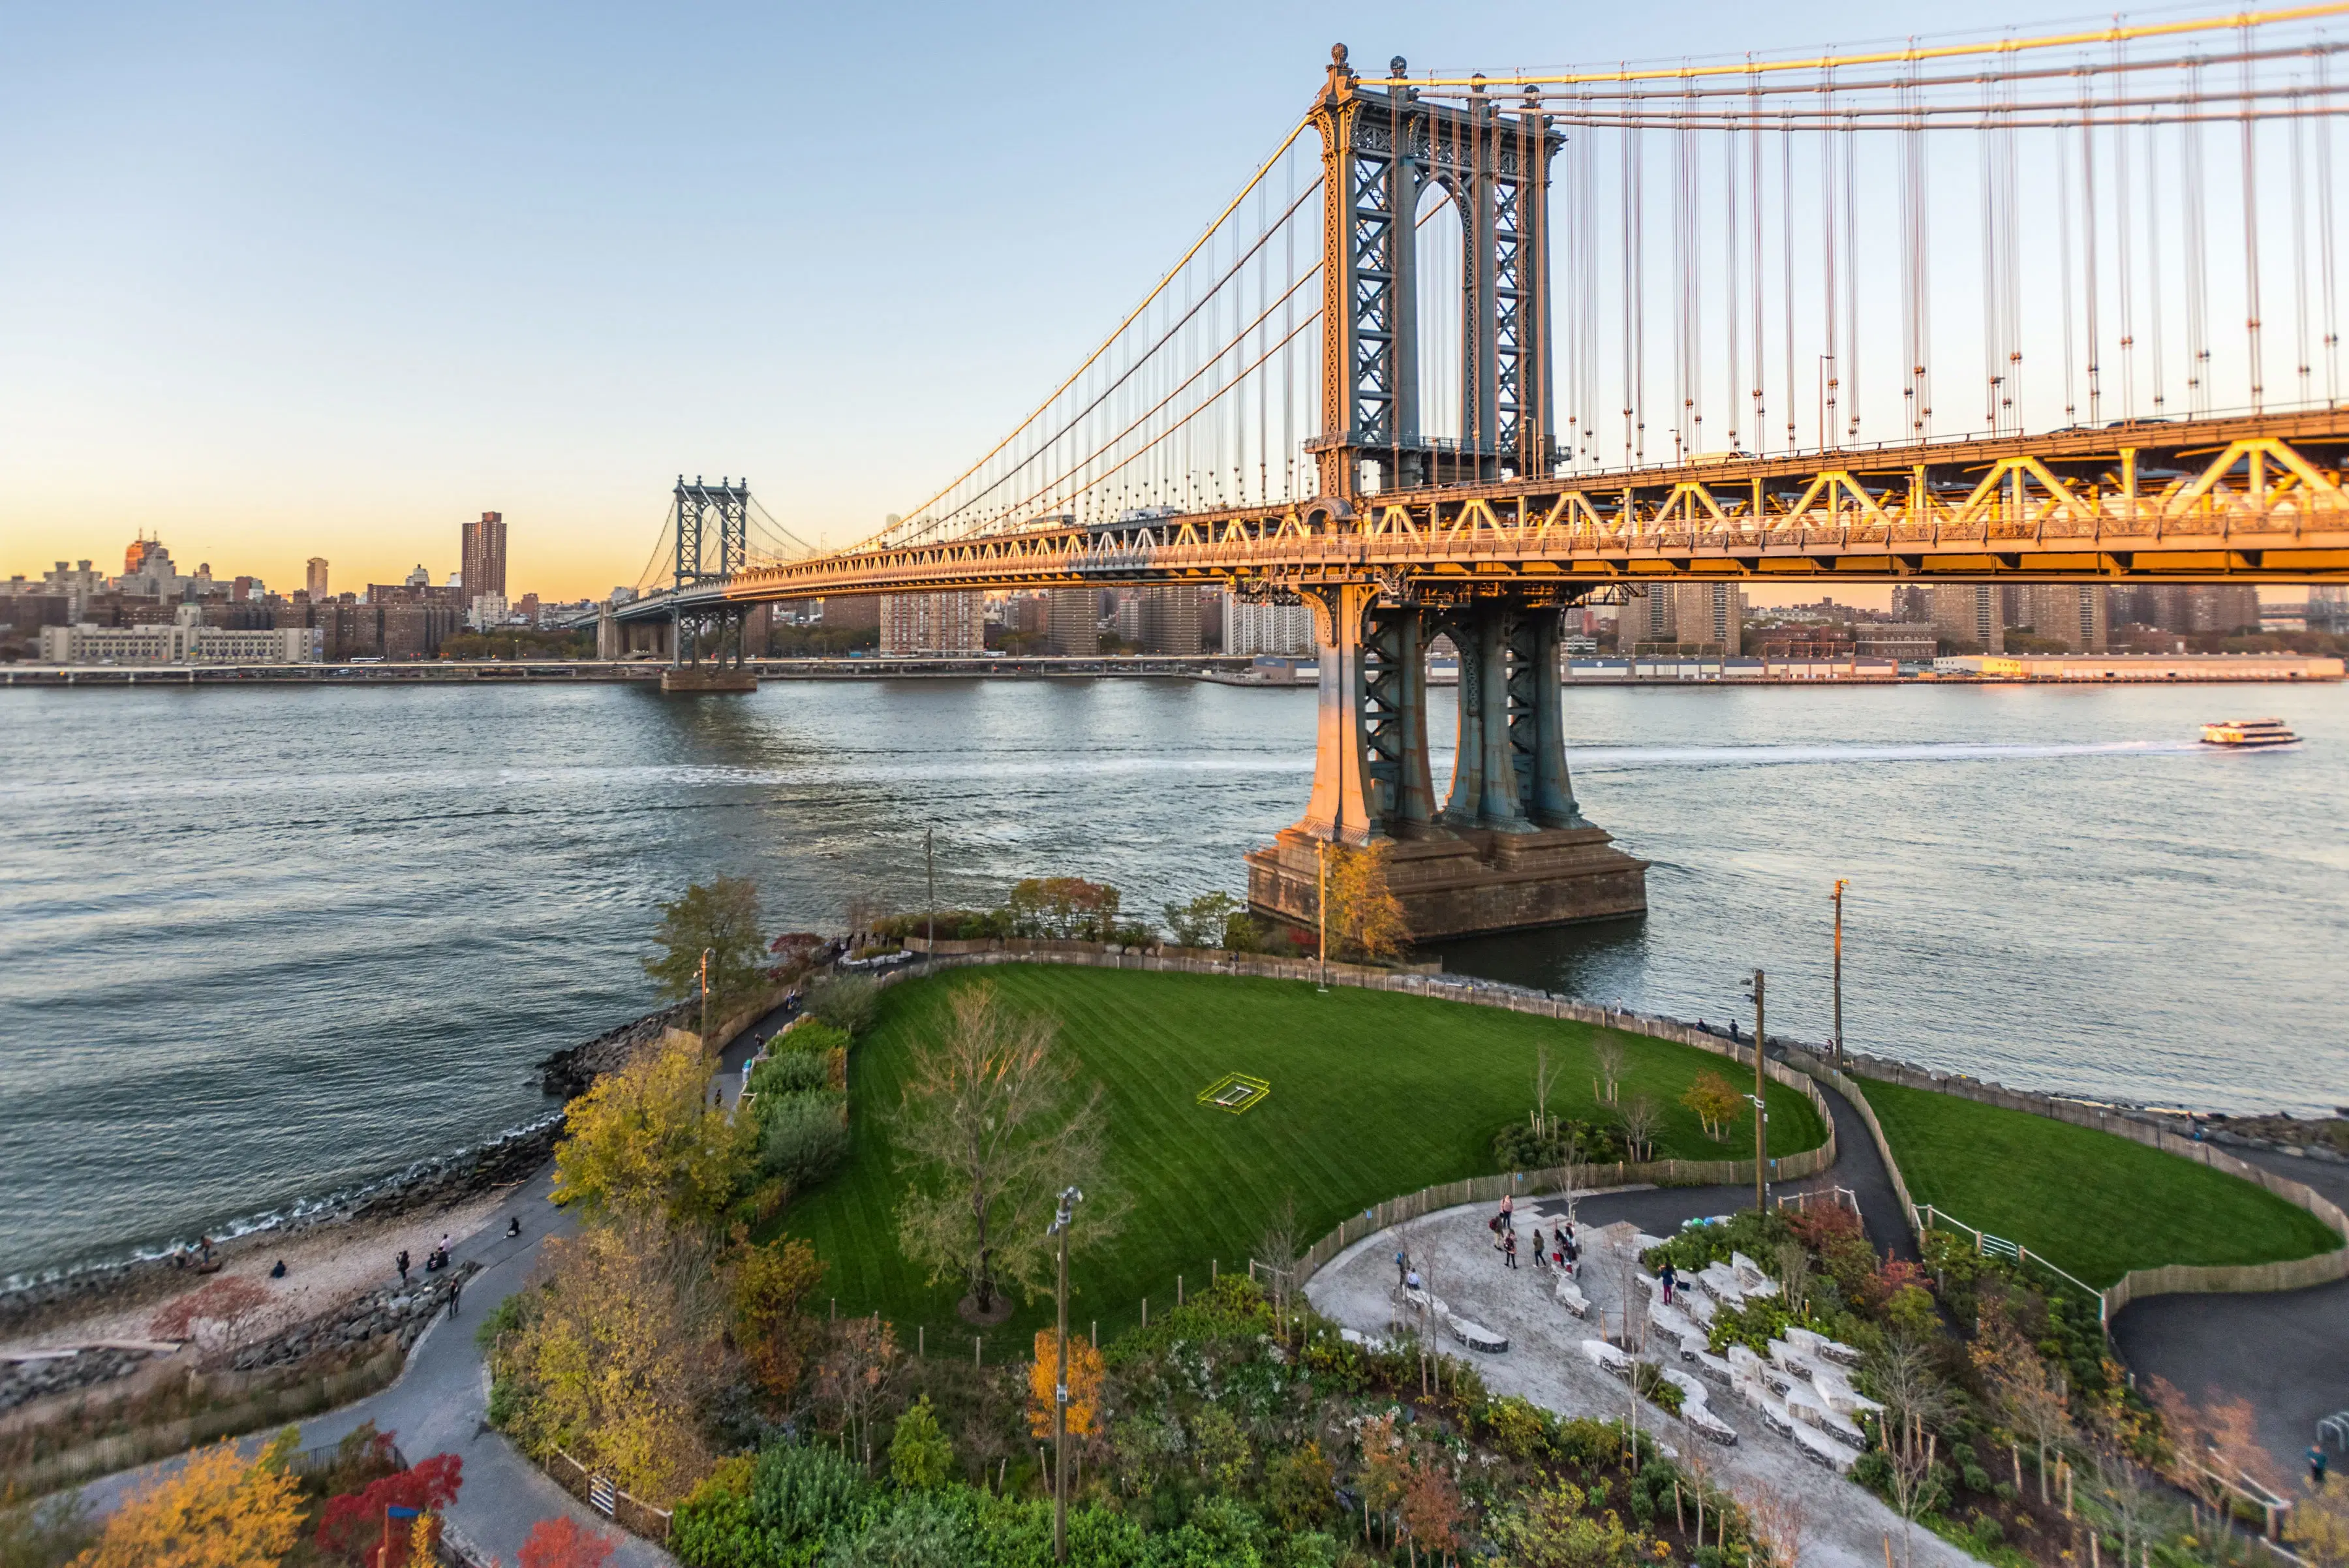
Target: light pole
(1070,1198)
(930,866)
(706,954)
(1761,1119)
(1322,905)
(1840,884)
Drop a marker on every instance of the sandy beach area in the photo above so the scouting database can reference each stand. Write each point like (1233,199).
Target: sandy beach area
(326,1265)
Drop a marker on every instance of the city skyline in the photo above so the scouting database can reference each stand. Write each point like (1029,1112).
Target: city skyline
(333,283)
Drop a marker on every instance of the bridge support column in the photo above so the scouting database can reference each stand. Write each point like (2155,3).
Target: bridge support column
(1511,848)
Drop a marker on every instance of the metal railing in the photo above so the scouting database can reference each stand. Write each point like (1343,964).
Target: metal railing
(1989,1246)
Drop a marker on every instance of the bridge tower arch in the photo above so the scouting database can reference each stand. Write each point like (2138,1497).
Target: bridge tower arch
(1383,149)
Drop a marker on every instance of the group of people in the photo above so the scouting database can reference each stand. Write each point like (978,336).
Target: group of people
(1561,1253)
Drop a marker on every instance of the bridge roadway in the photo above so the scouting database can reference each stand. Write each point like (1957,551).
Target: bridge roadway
(2247,499)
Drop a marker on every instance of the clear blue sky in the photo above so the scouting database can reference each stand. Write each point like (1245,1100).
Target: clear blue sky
(292,280)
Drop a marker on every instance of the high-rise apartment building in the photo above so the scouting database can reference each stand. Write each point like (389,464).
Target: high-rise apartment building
(932,623)
(1967,617)
(1259,626)
(482,552)
(1170,620)
(1709,617)
(1074,626)
(317,582)
(2068,614)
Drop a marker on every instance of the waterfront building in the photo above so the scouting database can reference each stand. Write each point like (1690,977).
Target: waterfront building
(1125,616)
(485,611)
(481,556)
(147,572)
(850,612)
(2062,613)
(932,623)
(1072,624)
(1707,615)
(1907,642)
(185,640)
(315,577)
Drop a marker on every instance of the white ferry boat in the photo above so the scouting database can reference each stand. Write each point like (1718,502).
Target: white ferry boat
(2248,732)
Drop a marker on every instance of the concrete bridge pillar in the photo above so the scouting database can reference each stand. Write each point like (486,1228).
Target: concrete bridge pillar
(608,633)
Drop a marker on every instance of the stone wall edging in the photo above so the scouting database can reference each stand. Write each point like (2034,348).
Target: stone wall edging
(2167,1278)
(1473,1189)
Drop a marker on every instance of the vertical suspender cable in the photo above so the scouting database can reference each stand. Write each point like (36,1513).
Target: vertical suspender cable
(1734,385)
(2299,242)
(1830,379)
(2121,243)
(1786,262)
(1630,308)
(1847,368)
(1994,331)
(2063,268)
(2251,230)
(2153,238)
(1753,181)
(2324,230)
(2090,279)
(2198,279)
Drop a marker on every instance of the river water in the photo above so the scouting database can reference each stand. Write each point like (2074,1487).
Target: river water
(257,946)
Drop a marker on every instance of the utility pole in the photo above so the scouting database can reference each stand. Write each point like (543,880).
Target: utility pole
(1761,1114)
(1840,884)
(1070,1198)
(930,865)
(1322,905)
(706,953)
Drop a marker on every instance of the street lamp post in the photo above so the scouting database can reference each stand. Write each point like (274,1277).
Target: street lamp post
(1070,1198)
(1761,1118)
(1321,906)
(706,954)
(1840,884)
(930,868)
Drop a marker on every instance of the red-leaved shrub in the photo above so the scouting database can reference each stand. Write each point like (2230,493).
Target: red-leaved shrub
(560,1543)
(352,1525)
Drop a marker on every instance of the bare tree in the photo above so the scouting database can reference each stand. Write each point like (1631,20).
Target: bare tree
(1902,1376)
(1546,1071)
(854,1376)
(1779,1519)
(992,1130)
(2034,1396)
(1640,1117)
(1276,1249)
(2139,1512)
(1795,1275)
(1609,1053)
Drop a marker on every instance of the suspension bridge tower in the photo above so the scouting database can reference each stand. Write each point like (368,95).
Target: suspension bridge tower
(713,544)
(1508,847)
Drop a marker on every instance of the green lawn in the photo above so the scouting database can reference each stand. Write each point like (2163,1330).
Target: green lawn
(1374,1095)
(2097,1205)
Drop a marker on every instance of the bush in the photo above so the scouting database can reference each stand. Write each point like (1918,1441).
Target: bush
(780,1508)
(804,1137)
(846,1001)
(793,1072)
(1518,1147)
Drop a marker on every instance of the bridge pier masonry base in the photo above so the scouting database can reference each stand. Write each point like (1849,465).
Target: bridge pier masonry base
(1510,850)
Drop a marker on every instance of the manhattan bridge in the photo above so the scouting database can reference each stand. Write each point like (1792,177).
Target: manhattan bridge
(1465,350)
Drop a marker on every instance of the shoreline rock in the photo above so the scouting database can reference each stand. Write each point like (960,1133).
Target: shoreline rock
(436,1182)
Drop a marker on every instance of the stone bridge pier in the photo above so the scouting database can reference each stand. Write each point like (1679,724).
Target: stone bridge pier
(1508,848)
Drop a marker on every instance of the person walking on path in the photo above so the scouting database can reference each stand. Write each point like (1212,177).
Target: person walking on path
(1666,1277)
(2316,1465)
(1509,1250)
(1541,1257)
(456,1293)
(403,1267)
(1402,1267)
(1509,1212)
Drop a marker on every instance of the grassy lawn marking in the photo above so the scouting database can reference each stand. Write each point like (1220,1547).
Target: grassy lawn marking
(1380,1094)
(1235,1092)
(2093,1203)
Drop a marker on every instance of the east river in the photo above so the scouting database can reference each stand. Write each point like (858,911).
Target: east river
(258,946)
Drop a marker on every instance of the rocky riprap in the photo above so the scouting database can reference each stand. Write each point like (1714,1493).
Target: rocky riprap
(571,1072)
(400,1312)
(25,1380)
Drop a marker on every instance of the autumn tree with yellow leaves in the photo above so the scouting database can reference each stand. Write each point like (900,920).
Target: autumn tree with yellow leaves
(647,1138)
(216,1511)
(1084,1384)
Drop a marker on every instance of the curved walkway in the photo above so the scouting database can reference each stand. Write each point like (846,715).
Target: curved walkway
(440,1404)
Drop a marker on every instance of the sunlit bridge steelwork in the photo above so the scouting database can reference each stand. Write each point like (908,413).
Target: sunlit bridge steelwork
(1467,349)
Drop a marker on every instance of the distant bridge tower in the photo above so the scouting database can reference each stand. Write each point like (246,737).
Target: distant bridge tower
(713,543)
(711,515)
(1381,151)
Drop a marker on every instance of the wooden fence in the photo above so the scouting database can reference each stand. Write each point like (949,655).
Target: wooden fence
(629,1511)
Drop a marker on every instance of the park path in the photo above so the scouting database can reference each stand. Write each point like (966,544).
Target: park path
(1845,1525)
(440,1404)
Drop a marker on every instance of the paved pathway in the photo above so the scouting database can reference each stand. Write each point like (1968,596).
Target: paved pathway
(1846,1527)
(441,1402)
(2287,1351)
